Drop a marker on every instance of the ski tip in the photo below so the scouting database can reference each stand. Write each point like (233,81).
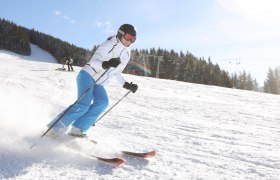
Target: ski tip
(151,154)
(113,161)
(116,161)
(120,162)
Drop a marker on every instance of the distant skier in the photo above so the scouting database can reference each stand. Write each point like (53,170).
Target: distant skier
(109,60)
(69,62)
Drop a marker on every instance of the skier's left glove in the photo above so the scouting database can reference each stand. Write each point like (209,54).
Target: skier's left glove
(132,87)
(113,62)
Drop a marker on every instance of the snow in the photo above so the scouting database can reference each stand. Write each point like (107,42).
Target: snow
(37,54)
(198,131)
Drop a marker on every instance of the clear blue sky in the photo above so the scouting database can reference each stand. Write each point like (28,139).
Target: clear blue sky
(229,31)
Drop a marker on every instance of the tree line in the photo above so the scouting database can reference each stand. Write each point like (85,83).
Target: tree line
(17,39)
(14,38)
(178,66)
(158,63)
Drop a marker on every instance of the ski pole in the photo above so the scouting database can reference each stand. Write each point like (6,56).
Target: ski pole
(112,107)
(58,119)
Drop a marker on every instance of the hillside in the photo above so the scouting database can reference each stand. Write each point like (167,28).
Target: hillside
(37,54)
(198,131)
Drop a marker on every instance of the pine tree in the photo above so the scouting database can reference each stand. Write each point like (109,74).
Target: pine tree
(270,82)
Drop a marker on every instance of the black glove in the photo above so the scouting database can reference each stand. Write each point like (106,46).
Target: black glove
(132,87)
(114,62)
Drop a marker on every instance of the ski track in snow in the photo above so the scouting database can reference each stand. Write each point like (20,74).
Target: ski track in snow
(198,131)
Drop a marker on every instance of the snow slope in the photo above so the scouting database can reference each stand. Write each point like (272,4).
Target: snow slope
(37,54)
(199,132)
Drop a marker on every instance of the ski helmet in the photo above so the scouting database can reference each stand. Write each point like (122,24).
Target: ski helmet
(126,28)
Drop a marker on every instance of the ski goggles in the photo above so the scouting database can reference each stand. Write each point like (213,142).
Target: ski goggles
(128,37)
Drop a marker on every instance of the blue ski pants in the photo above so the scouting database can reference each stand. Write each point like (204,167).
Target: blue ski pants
(86,111)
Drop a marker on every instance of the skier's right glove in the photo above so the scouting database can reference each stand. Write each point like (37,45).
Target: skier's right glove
(132,87)
(114,62)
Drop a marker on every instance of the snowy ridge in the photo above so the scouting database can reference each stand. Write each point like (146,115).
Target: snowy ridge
(198,131)
(37,54)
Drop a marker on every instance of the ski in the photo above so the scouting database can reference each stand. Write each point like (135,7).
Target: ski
(114,161)
(60,69)
(148,154)
(140,154)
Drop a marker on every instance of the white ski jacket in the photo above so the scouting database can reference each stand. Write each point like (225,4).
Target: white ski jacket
(111,48)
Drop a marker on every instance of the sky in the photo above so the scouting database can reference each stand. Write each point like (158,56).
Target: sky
(236,34)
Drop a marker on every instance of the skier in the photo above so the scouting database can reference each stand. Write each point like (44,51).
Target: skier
(69,62)
(109,60)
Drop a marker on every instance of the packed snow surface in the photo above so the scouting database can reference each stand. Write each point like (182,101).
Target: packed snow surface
(198,131)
